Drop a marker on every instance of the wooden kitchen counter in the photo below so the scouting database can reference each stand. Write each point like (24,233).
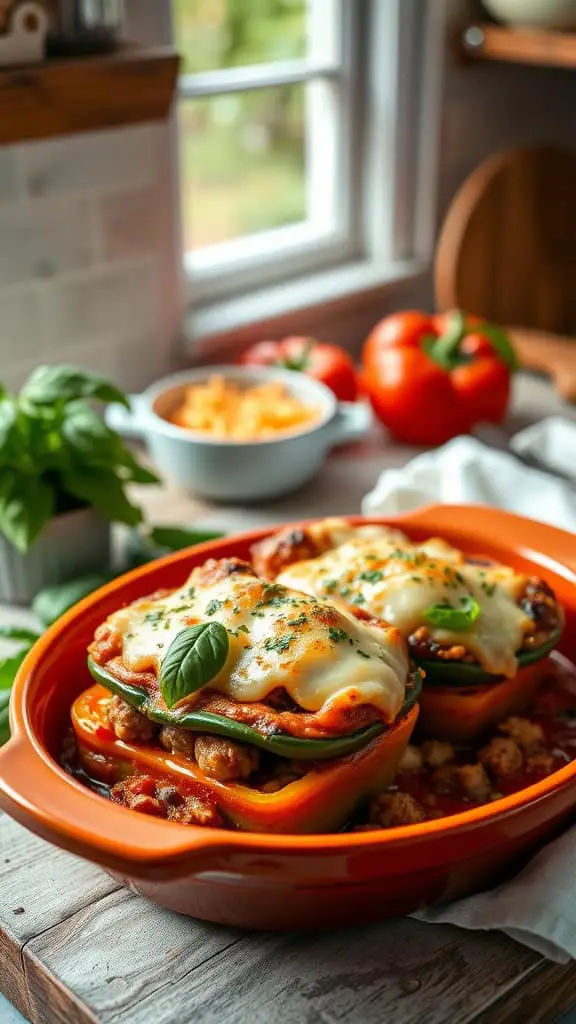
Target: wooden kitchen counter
(78,948)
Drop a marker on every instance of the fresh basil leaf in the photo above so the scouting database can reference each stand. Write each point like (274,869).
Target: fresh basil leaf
(93,443)
(193,659)
(102,489)
(458,617)
(88,436)
(9,667)
(48,385)
(51,602)
(26,504)
(19,633)
(4,716)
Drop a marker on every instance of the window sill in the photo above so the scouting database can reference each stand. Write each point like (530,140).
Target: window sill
(296,307)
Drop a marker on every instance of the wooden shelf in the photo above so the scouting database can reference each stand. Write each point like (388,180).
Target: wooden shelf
(63,97)
(486,41)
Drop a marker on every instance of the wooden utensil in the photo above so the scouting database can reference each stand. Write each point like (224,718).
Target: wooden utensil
(507,252)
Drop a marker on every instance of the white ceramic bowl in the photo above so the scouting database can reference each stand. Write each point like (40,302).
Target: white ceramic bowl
(237,470)
(555,14)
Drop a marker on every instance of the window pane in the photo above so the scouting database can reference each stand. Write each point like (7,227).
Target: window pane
(213,34)
(243,164)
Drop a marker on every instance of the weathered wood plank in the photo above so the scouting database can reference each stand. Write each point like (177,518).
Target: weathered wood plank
(179,970)
(89,951)
(41,885)
(120,952)
(542,996)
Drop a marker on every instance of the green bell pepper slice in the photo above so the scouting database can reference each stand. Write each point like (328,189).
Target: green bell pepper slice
(462,673)
(217,725)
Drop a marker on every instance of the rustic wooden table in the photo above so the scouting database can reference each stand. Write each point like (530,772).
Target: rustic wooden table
(77,948)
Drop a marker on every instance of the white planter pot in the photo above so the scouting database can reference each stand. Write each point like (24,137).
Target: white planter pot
(554,14)
(71,545)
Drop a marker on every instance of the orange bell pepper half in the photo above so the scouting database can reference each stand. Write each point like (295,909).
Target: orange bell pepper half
(321,801)
(459,714)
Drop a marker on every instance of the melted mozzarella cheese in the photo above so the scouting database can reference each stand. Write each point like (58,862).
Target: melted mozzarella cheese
(277,638)
(399,581)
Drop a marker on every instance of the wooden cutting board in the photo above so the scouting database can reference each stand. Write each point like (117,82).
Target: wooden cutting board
(507,252)
(78,948)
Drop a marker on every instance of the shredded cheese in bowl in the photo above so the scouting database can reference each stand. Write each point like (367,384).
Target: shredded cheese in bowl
(228,411)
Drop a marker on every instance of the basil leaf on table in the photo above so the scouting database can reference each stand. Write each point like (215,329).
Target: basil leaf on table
(174,538)
(193,659)
(146,545)
(8,670)
(51,602)
(48,385)
(4,717)
(455,617)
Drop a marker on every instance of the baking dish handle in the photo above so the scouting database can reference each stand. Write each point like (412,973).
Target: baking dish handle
(491,524)
(351,422)
(67,814)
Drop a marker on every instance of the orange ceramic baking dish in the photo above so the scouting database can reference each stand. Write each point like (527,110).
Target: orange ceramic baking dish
(256,880)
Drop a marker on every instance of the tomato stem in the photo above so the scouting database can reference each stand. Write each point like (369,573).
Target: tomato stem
(299,363)
(444,350)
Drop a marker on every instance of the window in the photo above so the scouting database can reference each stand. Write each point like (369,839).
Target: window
(265,137)
(307,138)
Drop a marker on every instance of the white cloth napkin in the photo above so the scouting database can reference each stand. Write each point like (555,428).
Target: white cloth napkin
(467,472)
(538,907)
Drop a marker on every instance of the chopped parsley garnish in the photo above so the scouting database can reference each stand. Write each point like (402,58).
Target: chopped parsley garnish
(155,617)
(330,585)
(488,588)
(214,606)
(362,654)
(337,635)
(273,596)
(371,576)
(359,599)
(345,591)
(278,643)
(445,616)
(417,579)
(277,602)
(191,591)
(299,621)
(240,629)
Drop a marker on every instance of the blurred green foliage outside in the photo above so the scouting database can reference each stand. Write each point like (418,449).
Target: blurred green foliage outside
(242,155)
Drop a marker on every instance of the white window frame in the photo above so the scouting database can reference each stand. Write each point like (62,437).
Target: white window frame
(392,59)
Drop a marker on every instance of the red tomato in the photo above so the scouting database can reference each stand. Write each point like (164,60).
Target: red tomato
(329,364)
